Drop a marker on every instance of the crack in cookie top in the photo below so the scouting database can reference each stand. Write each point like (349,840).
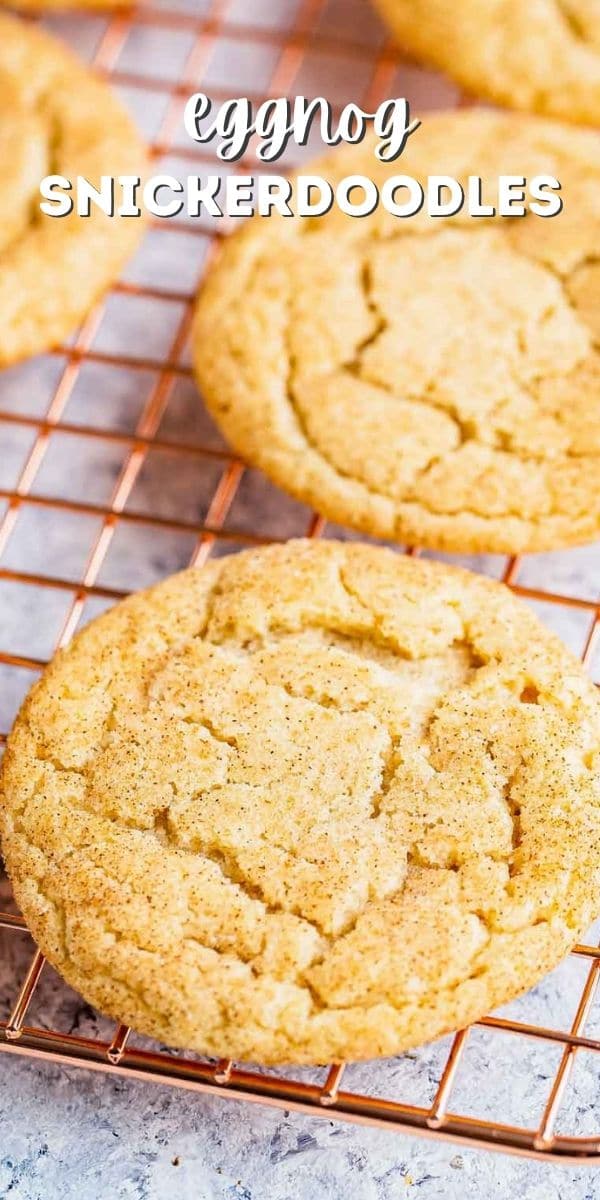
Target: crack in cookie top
(314,801)
(540,55)
(56,118)
(427,380)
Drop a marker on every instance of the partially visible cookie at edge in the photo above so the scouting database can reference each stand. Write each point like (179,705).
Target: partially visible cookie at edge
(541,55)
(313,802)
(429,380)
(57,118)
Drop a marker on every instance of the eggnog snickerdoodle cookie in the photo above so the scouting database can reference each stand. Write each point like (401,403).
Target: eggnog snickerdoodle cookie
(433,380)
(55,119)
(317,801)
(541,55)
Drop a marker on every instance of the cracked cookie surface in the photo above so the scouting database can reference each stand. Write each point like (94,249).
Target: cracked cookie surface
(429,380)
(317,801)
(542,55)
(56,118)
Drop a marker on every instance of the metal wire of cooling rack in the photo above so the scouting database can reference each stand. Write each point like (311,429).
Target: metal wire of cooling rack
(288,45)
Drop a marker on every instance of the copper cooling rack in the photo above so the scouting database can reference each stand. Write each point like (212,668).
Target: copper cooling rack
(296,44)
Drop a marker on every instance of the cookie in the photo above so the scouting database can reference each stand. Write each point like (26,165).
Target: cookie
(429,380)
(542,55)
(56,119)
(312,802)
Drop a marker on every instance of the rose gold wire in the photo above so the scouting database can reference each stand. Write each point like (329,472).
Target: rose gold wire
(53,414)
(438,1111)
(545,1132)
(222,1071)
(116,1049)
(541,1033)
(15,1021)
(12,921)
(331,1087)
(592,640)
(511,571)
(106,54)
(158,399)
(117,1055)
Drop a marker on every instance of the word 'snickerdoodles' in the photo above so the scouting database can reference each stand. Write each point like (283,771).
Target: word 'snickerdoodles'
(358,195)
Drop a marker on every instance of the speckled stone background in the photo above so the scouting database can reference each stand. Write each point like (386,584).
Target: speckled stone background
(71,1134)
